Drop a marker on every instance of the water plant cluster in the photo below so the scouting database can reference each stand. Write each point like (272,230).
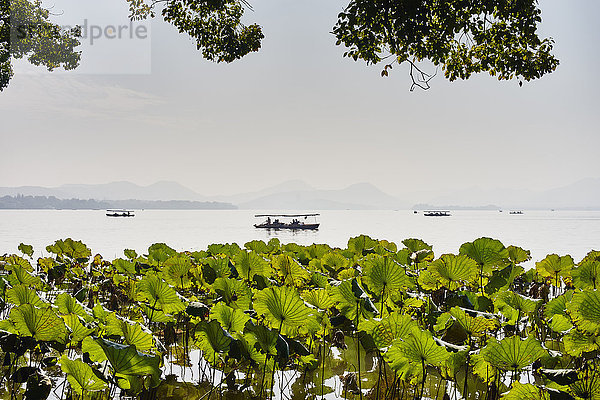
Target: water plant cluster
(374,320)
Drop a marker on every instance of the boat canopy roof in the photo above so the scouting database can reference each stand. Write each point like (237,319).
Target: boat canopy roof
(129,211)
(287,215)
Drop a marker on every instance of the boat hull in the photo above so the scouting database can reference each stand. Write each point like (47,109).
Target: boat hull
(293,227)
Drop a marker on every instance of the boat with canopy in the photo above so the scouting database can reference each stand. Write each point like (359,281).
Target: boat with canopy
(288,221)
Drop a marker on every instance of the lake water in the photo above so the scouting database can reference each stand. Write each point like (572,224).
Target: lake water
(541,232)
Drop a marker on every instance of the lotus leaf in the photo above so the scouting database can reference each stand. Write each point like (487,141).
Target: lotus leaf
(26,249)
(453,271)
(249,264)
(159,294)
(258,246)
(360,245)
(126,360)
(176,269)
(212,340)
(512,353)
(15,261)
(587,275)
(555,267)
(125,267)
(517,255)
(585,311)
(318,298)
(235,293)
(409,358)
(419,251)
(334,262)
(576,343)
(22,294)
(81,377)
(484,369)
(20,276)
(473,326)
(283,309)
(527,391)
(513,304)
(41,323)
(383,274)
(555,311)
(78,330)
(290,271)
(384,331)
(133,334)
(90,346)
(67,304)
(130,254)
(231,319)
(351,300)
(70,248)
(489,254)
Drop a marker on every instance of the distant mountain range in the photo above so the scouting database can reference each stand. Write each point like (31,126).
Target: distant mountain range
(298,195)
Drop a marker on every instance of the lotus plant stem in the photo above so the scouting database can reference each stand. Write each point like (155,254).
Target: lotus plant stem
(382,301)
(358,351)
(273,373)
(323,354)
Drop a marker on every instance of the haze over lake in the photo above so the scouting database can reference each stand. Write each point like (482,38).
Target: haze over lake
(541,232)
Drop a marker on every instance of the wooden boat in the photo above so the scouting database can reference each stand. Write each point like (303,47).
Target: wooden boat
(436,213)
(119,213)
(294,224)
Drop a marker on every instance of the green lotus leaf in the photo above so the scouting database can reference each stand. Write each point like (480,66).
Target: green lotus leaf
(249,264)
(527,391)
(258,246)
(22,294)
(230,250)
(419,251)
(78,330)
(349,304)
(81,377)
(555,312)
(489,254)
(155,315)
(212,340)
(453,271)
(318,298)
(576,343)
(409,357)
(513,304)
(94,350)
(126,360)
(261,337)
(484,369)
(14,261)
(231,319)
(428,281)
(314,250)
(133,334)
(555,267)
(175,271)
(234,293)
(124,267)
(20,276)
(67,304)
(456,362)
(130,254)
(159,294)
(41,323)
(334,262)
(283,309)
(585,311)
(70,248)
(587,386)
(288,269)
(383,274)
(158,253)
(512,353)
(587,275)
(26,249)
(219,268)
(319,280)
(517,255)
(360,245)
(100,314)
(384,331)
(473,326)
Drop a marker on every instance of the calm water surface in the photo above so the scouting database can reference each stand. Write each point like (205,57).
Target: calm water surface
(541,232)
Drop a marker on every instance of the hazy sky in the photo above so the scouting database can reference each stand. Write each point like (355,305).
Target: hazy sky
(152,109)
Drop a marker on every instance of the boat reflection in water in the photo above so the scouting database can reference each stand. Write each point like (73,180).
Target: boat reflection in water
(288,221)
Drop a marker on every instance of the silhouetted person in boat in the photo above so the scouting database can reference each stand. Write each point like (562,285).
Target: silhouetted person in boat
(268,220)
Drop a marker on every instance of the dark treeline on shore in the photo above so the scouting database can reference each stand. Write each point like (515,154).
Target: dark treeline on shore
(21,202)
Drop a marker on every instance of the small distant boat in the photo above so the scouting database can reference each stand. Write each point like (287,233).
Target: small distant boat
(436,213)
(516,212)
(119,213)
(273,221)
